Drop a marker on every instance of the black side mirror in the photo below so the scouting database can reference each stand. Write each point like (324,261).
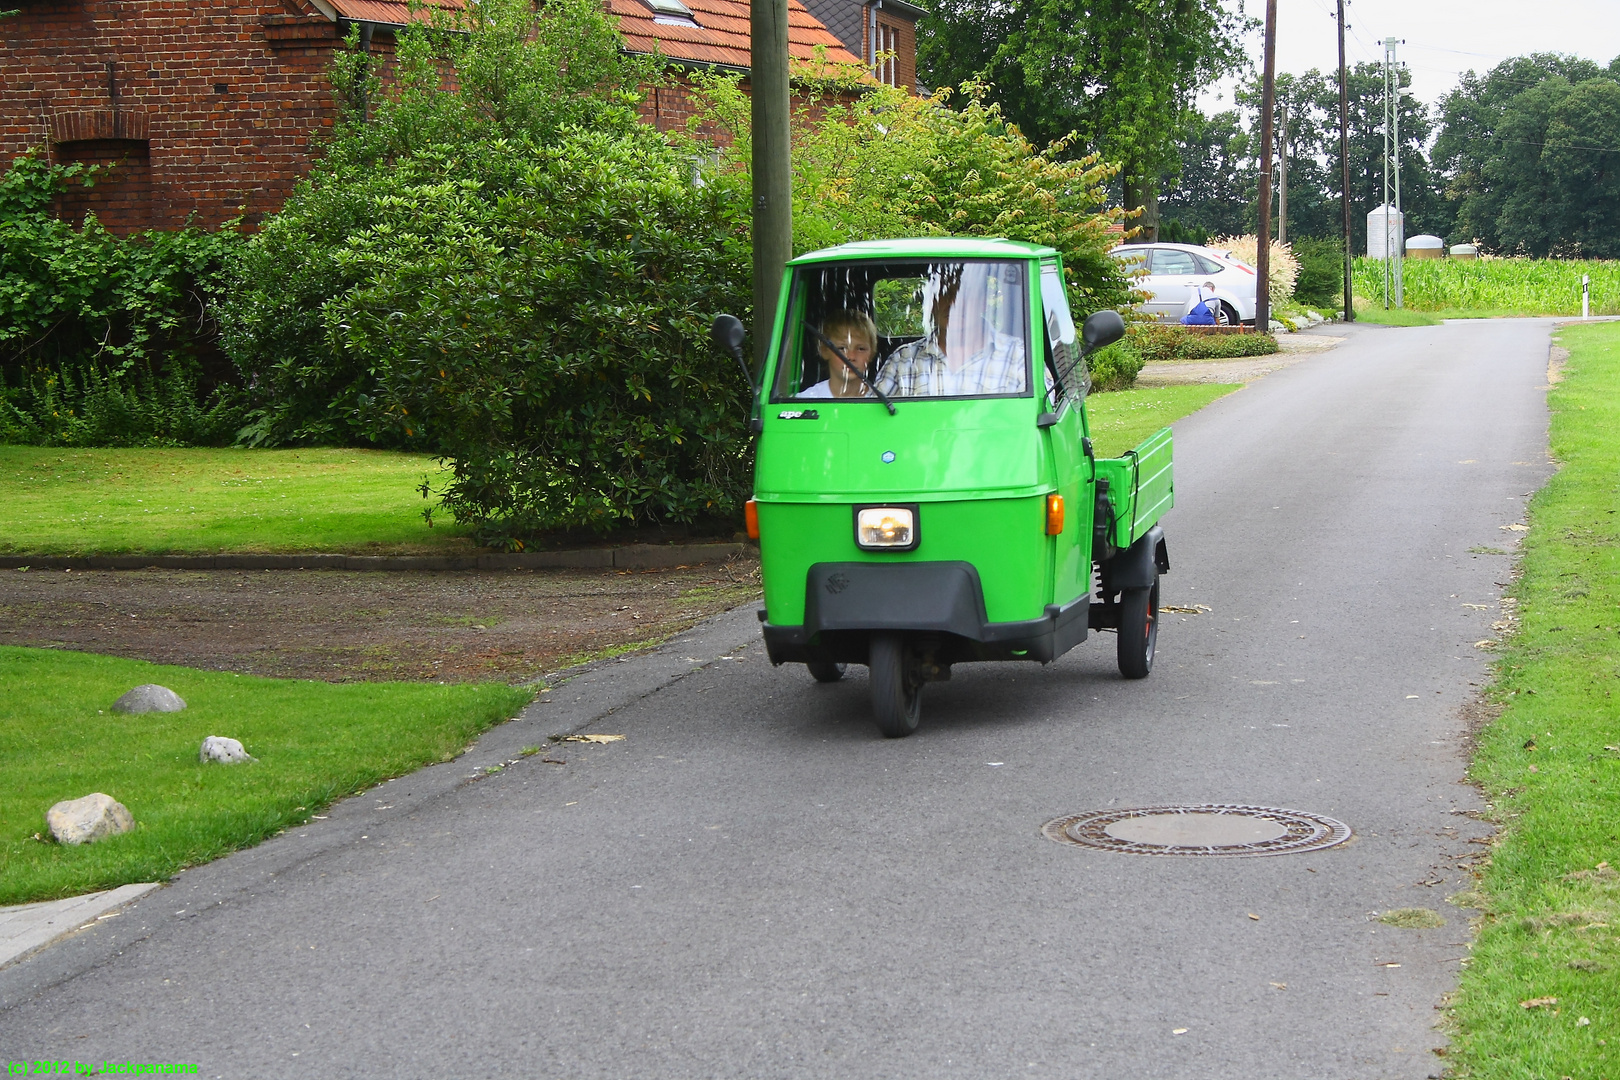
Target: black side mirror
(1101,328)
(728,333)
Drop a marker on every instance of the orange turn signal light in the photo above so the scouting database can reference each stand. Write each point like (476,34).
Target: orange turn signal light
(1054,514)
(751,517)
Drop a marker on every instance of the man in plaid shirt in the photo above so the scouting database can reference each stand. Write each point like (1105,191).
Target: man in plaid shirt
(965,354)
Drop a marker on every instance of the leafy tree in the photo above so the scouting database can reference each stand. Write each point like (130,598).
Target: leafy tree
(1532,151)
(1212,192)
(1120,74)
(885,163)
(1218,175)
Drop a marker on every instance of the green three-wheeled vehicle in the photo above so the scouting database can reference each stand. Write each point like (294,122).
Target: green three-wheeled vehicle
(925,488)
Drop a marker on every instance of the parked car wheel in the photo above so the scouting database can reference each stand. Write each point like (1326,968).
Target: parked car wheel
(896,693)
(1138,630)
(825,671)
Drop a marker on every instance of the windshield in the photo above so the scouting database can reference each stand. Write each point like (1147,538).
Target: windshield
(912,329)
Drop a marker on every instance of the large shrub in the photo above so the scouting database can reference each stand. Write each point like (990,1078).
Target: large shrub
(880,163)
(513,272)
(556,347)
(106,341)
(1321,272)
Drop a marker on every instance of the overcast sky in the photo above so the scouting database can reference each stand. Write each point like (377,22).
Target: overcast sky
(1442,37)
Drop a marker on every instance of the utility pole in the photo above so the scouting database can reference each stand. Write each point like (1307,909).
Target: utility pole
(1344,168)
(1268,103)
(773,168)
(1394,236)
(1282,172)
(1399,252)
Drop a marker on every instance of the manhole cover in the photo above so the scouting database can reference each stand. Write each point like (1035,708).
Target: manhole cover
(1216,829)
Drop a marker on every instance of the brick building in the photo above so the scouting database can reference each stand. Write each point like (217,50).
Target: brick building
(203,108)
(883,33)
(710,34)
(206,110)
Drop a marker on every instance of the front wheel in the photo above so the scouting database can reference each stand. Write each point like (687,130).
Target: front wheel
(1138,630)
(825,670)
(896,695)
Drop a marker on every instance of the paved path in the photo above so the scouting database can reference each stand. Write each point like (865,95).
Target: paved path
(753,884)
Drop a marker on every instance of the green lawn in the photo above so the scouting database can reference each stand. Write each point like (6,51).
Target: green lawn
(149,502)
(1551,765)
(60,501)
(315,742)
(1123,418)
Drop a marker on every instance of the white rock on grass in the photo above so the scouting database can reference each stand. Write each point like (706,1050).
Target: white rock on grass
(225,751)
(149,697)
(83,821)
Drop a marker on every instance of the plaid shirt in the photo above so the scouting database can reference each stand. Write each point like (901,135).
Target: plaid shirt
(918,369)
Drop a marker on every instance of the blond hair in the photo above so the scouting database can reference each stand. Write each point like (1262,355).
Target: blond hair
(853,321)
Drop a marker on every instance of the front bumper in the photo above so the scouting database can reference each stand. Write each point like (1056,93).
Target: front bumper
(940,604)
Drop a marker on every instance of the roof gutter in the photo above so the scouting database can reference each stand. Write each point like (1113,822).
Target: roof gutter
(690,65)
(367,26)
(901,8)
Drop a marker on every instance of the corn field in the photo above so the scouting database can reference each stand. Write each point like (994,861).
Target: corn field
(1509,286)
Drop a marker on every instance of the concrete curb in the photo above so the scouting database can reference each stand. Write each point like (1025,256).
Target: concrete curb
(588,695)
(631,556)
(28,928)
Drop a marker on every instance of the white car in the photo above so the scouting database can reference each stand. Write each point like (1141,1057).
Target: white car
(1175,275)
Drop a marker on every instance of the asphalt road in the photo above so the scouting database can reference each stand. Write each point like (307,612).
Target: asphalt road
(755,884)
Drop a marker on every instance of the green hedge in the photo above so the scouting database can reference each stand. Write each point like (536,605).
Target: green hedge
(1159,341)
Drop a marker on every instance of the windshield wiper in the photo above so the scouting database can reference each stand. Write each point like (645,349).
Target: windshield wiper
(859,374)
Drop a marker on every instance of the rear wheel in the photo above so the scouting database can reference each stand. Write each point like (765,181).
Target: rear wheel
(1138,630)
(1225,314)
(825,670)
(896,694)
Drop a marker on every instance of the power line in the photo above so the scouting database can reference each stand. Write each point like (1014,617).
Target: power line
(1459,52)
(1558,146)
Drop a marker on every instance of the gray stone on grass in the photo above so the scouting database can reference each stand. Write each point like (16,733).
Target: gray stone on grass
(83,821)
(225,751)
(149,697)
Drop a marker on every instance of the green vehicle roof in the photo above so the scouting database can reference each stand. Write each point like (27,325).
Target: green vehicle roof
(929,247)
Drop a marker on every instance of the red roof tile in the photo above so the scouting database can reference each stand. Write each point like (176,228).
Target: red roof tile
(721,35)
(387,12)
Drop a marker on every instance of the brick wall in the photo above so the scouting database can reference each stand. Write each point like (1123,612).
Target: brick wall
(121,197)
(899,37)
(671,106)
(205,110)
(222,98)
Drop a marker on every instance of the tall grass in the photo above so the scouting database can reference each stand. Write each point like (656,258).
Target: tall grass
(1499,286)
